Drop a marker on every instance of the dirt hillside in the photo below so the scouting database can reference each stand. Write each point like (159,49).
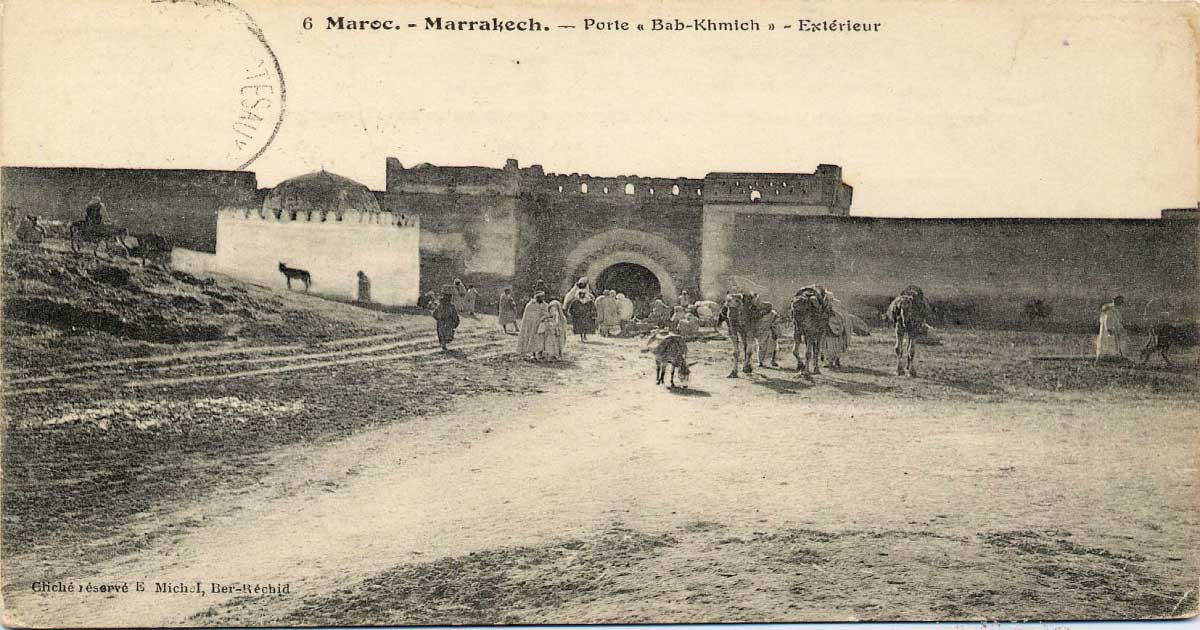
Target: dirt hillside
(60,307)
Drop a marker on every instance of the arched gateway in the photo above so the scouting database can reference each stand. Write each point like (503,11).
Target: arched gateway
(636,263)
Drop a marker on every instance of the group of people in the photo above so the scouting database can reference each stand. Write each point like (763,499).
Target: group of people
(463,297)
(542,328)
(612,308)
(541,324)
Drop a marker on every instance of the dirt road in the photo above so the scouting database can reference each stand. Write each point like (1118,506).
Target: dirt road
(854,495)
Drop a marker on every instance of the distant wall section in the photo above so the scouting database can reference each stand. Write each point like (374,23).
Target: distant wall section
(984,270)
(178,204)
(333,248)
(469,223)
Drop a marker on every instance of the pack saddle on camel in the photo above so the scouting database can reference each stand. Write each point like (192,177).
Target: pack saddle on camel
(811,311)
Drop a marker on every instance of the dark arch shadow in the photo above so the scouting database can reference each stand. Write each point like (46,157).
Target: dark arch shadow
(638,283)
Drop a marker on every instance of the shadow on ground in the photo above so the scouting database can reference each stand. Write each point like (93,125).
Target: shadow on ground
(706,570)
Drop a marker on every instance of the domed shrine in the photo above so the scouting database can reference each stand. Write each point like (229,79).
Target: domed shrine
(319,192)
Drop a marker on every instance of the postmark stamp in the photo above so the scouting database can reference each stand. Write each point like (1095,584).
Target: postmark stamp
(250,91)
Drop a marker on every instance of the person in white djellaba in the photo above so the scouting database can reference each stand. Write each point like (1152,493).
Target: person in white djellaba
(1112,331)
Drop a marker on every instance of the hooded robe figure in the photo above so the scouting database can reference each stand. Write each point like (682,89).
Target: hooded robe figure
(470,299)
(364,287)
(625,308)
(604,319)
(583,314)
(459,295)
(660,313)
(508,311)
(837,339)
(93,214)
(766,333)
(530,342)
(579,288)
(556,331)
(447,319)
(1112,331)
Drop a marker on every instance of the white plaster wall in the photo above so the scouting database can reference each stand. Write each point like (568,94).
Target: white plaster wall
(191,261)
(250,248)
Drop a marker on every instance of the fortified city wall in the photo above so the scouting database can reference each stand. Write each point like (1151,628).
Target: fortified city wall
(981,271)
(178,204)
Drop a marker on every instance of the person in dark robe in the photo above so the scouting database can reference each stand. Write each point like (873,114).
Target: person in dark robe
(364,287)
(583,315)
(447,319)
(93,214)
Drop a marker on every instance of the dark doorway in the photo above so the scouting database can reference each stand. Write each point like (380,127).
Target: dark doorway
(638,283)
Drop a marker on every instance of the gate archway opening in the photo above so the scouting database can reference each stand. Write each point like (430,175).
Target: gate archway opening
(637,272)
(638,283)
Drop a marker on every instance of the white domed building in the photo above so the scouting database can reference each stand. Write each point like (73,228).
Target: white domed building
(329,226)
(319,192)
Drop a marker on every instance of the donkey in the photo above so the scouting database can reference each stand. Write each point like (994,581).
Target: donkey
(84,231)
(670,349)
(291,273)
(909,313)
(811,311)
(151,245)
(741,316)
(1162,336)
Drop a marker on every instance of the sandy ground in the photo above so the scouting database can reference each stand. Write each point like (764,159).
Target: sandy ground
(991,487)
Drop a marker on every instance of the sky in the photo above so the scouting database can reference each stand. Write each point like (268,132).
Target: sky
(951,109)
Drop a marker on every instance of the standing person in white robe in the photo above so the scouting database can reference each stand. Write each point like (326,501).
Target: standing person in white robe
(531,343)
(459,296)
(625,308)
(608,313)
(555,337)
(1112,331)
(837,339)
(602,322)
(766,335)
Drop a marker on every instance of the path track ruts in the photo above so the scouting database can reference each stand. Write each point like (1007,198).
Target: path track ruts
(216,364)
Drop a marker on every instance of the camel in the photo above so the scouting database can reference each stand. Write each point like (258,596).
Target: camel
(909,313)
(811,312)
(739,312)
